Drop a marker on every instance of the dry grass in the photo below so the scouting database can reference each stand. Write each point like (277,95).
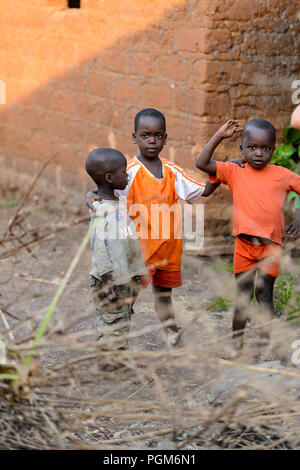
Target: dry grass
(186,398)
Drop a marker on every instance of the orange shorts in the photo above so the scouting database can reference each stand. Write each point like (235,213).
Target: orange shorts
(162,278)
(264,257)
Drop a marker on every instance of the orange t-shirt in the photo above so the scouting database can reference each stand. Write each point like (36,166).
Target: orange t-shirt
(258,197)
(152,204)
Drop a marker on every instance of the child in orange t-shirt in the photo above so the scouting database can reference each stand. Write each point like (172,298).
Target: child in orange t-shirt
(258,190)
(155,186)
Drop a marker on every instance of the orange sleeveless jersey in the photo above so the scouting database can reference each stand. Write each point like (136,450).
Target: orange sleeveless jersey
(152,204)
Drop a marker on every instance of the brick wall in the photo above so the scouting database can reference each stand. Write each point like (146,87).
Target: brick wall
(78,76)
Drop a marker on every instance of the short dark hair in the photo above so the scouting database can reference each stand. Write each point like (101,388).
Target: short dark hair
(149,112)
(102,160)
(260,124)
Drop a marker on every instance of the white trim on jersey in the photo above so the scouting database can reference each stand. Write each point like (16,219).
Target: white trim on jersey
(187,188)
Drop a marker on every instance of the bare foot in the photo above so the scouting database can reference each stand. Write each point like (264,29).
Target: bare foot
(265,356)
(173,337)
(230,353)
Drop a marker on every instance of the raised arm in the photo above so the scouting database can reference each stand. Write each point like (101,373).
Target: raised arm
(204,161)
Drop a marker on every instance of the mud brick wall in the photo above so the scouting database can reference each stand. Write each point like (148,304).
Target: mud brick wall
(75,78)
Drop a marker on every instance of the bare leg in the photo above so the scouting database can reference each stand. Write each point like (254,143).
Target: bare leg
(165,311)
(264,296)
(244,295)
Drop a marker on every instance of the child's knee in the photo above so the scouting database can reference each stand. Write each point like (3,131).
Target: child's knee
(264,287)
(163,294)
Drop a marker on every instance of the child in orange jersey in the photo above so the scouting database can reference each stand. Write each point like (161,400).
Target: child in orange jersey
(155,183)
(258,190)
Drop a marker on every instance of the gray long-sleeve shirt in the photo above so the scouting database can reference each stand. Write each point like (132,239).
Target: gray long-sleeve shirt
(114,243)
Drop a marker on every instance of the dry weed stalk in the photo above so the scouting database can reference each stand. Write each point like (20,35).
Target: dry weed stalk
(70,402)
(187,398)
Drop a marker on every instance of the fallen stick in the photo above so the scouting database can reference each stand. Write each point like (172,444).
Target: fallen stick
(9,253)
(33,231)
(27,194)
(36,279)
(6,325)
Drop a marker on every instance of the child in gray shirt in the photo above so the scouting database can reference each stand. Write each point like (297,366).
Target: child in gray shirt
(117,259)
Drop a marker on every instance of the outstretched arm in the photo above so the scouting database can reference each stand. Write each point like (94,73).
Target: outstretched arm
(204,161)
(209,188)
(91,197)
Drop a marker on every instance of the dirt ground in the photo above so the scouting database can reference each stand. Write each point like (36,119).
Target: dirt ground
(187,398)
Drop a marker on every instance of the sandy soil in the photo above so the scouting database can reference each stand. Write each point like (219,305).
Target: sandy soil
(29,281)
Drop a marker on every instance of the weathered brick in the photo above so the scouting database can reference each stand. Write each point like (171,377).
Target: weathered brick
(143,64)
(174,67)
(126,89)
(98,85)
(190,100)
(114,61)
(157,96)
(96,136)
(193,40)
(62,100)
(200,70)
(79,77)
(177,128)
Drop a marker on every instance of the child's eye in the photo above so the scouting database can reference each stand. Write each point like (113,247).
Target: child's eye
(266,148)
(251,147)
(159,136)
(144,136)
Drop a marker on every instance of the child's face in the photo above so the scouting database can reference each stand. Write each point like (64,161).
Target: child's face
(257,147)
(150,136)
(119,177)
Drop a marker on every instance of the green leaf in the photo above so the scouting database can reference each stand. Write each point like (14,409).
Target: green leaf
(297,202)
(286,150)
(9,377)
(285,134)
(293,135)
(292,195)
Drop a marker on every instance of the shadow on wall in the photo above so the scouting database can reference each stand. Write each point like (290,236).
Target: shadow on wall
(218,66)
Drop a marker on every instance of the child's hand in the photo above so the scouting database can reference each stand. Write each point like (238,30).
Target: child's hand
(109,289)
(90,198)
(294,229)
(238,161)
(113,293)
(229,128)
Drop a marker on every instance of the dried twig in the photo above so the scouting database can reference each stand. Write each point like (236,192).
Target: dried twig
(29,191)
(8,253)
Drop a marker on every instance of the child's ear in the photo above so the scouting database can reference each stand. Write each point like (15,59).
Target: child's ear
(165,139)
(133,138)
(107,178)
(241,149)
